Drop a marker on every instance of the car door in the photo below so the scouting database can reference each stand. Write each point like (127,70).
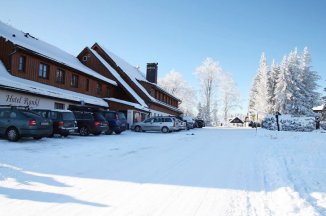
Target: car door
(157,124)
(148,124)
(4,118)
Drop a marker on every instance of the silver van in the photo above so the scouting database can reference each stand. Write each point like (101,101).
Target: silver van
(164,124)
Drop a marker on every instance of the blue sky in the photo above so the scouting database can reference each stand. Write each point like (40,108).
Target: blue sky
(180,34)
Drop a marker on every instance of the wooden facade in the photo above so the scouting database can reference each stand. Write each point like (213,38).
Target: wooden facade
(31,62)
(161,95)
(90,60)
(10,55)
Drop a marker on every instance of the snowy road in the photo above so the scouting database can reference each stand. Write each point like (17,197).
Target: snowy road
(213,172)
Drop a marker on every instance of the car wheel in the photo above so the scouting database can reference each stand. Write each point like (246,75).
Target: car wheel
(37,138)
(83,131)
(109,132)
(51,135)
(12,134)
(138,129)
(165,130)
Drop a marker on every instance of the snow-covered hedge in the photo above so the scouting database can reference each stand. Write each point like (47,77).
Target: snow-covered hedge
(289,123)
(323,125)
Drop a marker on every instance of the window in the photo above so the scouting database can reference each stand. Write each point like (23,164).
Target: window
(99,88)
(85,58)
(87,84)
(60,76)
(59,106)
(168,120)
(148,120)
(74,81)
(22,63)
(43,71)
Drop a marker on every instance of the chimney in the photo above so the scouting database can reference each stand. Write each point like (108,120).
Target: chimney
(151,73)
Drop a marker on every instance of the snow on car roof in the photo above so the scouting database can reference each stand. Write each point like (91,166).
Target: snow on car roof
(46,50)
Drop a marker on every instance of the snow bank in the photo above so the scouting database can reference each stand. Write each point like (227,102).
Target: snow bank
(289,123)
(323,125)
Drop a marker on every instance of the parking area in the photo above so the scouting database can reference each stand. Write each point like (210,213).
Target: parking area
(205,171)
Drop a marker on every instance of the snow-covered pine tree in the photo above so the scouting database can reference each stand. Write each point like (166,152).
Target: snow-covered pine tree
(284,89)
(272,80)
(258,103)
(309,80)
(253,98)
(298,90)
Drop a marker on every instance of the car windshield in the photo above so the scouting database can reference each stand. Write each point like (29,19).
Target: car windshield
(121,116)
(109,115)
(68,116)
(30,114)
(148,120)
(99,117)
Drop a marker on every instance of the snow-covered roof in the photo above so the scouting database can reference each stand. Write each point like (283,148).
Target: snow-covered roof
(120,79)
(135,75)
(46,50)
(132,72)
(12,82)
(135,105)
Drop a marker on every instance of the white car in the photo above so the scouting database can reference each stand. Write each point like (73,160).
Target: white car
(164,124)
(190,122)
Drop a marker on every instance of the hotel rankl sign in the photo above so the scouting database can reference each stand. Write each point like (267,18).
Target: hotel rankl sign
(7,98)
(23,101)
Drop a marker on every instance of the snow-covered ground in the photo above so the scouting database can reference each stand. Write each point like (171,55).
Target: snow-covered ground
(213,172)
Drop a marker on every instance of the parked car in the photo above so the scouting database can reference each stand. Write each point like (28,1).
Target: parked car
(117,121)
(190,122)
(200,123)
(64,121)
(90,123)
(181,125)
(164,124)
(18,121)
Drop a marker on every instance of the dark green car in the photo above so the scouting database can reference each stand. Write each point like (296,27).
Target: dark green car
(18,121)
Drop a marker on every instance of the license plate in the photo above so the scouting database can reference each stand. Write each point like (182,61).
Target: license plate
(45,123)
(71,131)
(122,125)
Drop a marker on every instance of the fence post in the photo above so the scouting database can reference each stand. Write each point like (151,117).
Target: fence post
(277,123)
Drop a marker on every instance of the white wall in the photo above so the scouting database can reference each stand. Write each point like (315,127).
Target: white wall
(157,113)
(34,101)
